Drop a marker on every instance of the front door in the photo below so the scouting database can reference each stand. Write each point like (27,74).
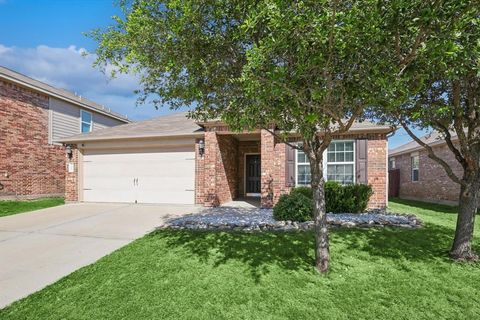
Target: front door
(252,174)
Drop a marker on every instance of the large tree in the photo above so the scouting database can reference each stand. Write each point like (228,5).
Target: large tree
(303,66)
(433,50)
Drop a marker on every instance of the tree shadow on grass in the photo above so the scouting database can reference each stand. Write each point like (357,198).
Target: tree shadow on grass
(295,250)
(426,244)
(259,250)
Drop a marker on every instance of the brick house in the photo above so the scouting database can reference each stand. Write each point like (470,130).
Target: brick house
(172,159)
(33,117)
(421,178)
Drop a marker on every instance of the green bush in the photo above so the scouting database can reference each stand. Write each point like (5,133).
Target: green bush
(298,206)
(306,191)
(295,207)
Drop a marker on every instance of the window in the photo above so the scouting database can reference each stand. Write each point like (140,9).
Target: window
(339,164)
(86,121)
(303,169)
(415,165)
(391,164)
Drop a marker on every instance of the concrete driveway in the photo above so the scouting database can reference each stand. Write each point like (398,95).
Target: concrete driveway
(38,248)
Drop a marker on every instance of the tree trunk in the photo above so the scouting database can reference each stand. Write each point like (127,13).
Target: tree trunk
(322,250)
(462,244)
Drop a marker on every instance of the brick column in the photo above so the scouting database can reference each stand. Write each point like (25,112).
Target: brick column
(279,172)
(377,171)
(71,178)
(210,161)
(267,147)
(199,174)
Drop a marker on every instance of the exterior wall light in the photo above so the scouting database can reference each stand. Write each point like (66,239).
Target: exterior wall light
(69,151)
(201,147)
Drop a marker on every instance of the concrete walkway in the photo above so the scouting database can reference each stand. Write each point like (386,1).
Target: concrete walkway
(40,247)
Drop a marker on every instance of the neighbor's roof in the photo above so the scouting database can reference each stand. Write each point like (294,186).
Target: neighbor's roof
(173,125)
(432,139)
(61,94)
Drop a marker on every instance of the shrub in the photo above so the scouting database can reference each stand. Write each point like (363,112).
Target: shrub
(351,198)
(306,191)
(295,207)
(298,206)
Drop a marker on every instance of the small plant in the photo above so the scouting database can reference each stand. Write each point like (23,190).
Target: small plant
(295,207)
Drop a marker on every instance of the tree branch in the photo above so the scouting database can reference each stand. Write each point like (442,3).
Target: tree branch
(294,146)
(433,156)
(451,146)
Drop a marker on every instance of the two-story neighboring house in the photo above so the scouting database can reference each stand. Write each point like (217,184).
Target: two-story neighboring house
(33,117)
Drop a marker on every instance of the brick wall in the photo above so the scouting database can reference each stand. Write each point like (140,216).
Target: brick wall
(434,185)
(267,147)
(71,178)
(377,170)
(279,172)
(220,169)
(199,175)
(29,165)
(227,169)
(220,174)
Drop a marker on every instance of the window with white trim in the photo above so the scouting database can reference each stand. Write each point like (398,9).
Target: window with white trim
(85,121)
(415,159)
(303,169)
(339,164)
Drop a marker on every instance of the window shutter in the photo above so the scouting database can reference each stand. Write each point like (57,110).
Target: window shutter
(290,166)
(361,160)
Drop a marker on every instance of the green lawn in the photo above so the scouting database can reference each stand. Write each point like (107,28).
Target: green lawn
(8,208)
(375,274)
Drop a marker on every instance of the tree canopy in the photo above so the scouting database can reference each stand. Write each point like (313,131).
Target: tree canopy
(305,66)
(433,55)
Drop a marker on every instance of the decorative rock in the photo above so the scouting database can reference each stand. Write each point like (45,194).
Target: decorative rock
(256,220)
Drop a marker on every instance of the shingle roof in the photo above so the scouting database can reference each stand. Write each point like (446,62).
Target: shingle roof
(367,125)
(176,124)
(432,138)
(62,94)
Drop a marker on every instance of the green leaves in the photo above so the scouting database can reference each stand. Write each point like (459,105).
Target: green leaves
(299,65)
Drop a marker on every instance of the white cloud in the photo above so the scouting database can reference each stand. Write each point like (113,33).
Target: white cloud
(67,68)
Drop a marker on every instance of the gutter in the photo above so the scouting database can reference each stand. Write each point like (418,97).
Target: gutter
(84,139)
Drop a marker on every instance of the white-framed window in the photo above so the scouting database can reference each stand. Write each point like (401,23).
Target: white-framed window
(339,164)
(392,164)
(303,169)
(415,161)
(86,121)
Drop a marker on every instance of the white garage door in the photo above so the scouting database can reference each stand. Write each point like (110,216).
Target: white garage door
(152,176)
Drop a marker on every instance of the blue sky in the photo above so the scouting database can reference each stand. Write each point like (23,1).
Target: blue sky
(44,39)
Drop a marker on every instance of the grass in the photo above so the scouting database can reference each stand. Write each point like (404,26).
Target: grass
(375,274)
(8,208)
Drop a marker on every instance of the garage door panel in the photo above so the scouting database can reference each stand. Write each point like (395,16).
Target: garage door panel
(108,195)
(174,197)
(163,177)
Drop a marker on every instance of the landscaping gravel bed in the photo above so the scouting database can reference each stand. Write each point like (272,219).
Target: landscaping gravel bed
(251,219)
